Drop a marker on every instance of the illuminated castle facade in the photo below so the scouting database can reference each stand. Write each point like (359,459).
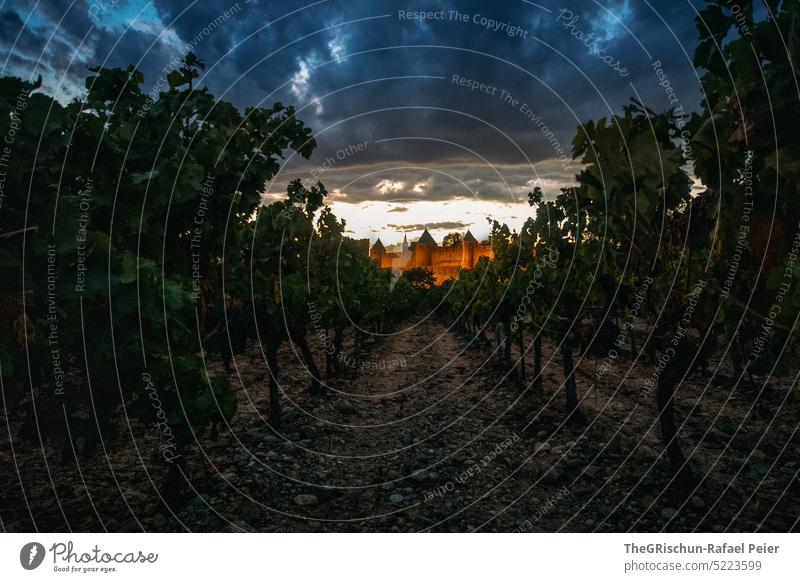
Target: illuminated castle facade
(443,262)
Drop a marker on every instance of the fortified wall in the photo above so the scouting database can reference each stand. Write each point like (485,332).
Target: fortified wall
(443,262)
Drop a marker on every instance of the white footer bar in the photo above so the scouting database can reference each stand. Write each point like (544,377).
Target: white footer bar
(399,557)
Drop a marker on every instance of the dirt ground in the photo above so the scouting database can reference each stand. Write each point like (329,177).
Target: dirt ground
(425,434)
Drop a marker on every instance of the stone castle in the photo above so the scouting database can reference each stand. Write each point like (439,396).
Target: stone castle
(443,262)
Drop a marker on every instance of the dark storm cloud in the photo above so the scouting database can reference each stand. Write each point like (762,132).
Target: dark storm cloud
(436,181)
(508,85)
(449,225)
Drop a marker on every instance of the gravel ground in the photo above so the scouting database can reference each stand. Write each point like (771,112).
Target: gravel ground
(424,434)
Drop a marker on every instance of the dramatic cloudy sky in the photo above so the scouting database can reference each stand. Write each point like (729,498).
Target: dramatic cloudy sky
(402,142)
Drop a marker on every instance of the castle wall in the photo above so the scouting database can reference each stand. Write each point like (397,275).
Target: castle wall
(468,254)
(401,260)
(422,255)
(444,262)
(482,250)
(388,260)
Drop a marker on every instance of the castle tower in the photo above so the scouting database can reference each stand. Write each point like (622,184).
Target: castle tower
(424,250)
(404,258)
(469,245)
(378,253)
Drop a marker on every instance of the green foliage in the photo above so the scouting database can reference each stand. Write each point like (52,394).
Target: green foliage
(746,153)
(127,209)
(139,210)
(419,278)
(632,217)
(452,239)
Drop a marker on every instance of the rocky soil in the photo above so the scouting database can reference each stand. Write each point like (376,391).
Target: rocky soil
(425,434)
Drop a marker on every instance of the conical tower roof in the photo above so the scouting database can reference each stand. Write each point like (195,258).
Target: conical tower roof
(426,239)
(469,238)
(378,247)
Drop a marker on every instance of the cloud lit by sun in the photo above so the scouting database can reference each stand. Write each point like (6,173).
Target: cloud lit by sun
(421,187)
(389,186)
